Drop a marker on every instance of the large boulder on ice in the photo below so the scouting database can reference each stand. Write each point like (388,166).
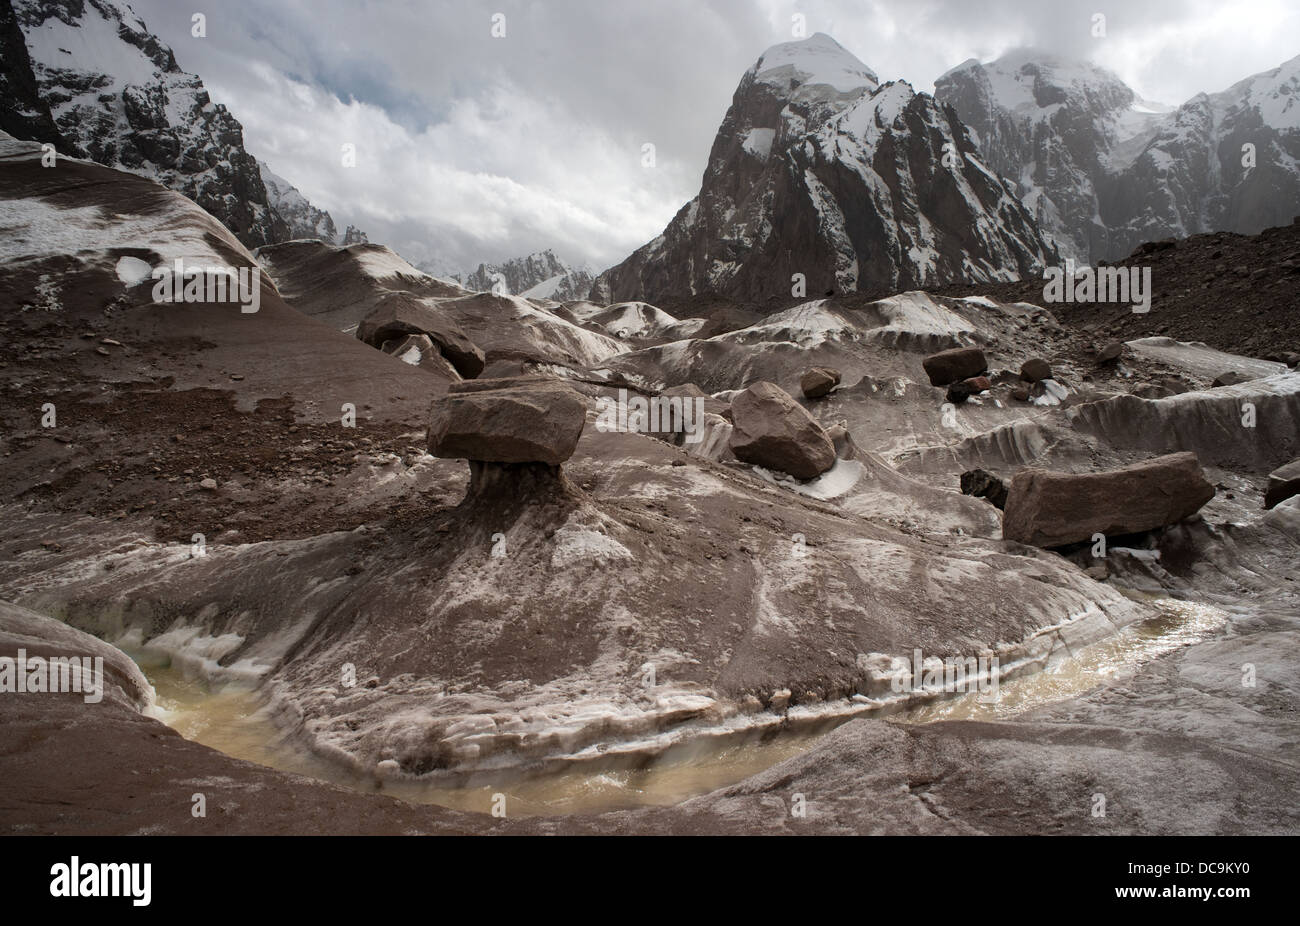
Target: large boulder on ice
(1283,482)
(774,431)
(401,313)
(950,366)
(1050,509)
(518,420)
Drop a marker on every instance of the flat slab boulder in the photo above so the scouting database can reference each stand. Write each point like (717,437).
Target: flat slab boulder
(1283,482)
(951,366)
(514,420)
(399,314)
(1048,509)
(774,431)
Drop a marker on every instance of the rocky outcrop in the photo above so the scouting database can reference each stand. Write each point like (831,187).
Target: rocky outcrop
(772,430)
(819,170)
(401,313)
(1050,509)
(520,420)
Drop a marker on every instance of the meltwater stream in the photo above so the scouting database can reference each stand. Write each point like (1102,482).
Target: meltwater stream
(232,721)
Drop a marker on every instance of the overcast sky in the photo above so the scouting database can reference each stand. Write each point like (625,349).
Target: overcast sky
(471,147)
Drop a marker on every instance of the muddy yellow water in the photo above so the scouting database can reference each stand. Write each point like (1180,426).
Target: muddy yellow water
(232,721)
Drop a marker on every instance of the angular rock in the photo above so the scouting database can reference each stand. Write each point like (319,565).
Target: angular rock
(951,366)
(1230,378)
(772,430)
(1048,509)
(518,420)
(1283,483)
(1031,371)
(982,484)
(960,392)
(819,381)
(402,314)
(1110,353)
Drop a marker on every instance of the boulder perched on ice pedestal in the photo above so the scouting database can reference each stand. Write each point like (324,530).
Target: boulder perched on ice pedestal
(772,430)
(1049,509)
(514,420)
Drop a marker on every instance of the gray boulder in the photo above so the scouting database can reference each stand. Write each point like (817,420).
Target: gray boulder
(774,431)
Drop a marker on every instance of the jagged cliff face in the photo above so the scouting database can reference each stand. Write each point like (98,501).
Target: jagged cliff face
(820,170)
(541,276)
(116,92)
(23,114)
(1103,170)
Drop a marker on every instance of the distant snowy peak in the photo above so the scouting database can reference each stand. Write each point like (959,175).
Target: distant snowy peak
(354,235)
(1104,170)
(1274,95)
(1037,85)
(304,219)
(116,93)
(541,275)
(820,174)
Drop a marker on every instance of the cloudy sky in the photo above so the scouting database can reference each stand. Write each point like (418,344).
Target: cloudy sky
(472,147)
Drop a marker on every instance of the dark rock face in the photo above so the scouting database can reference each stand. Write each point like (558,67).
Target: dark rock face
(950,366)
(819,381)
(984,485)
(23,113)
(1283,483)
(1104,172)
(1049,509)
(400,313)
(166,128)
(519,420)
(820,170)
(774,431)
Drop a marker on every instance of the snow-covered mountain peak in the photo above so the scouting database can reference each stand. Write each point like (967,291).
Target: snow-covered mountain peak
(1275,94)
(116,93)
(816,61)
(1035,85)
